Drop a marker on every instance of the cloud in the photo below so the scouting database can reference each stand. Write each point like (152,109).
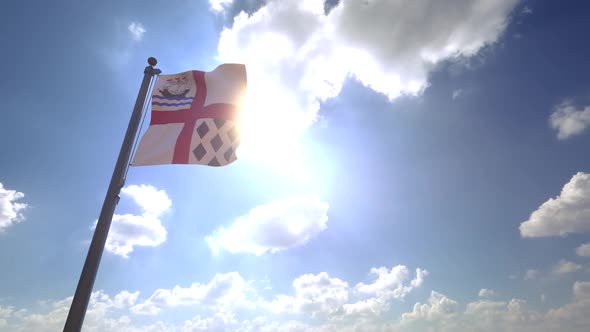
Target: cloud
(388,286)
(222,292)
(219,5)
(51,315)
(298,56)
(564,267)
(273,227)
(458,93)
(152,201)
(574,314)
(484,292)
(128,230)
(438,306)
(569,120)
(321,296)
(6,312)
(317,305)
(389,283)
(583,250)
(581,290)
(567,213)
(136,29)
(10,210)
(317,295)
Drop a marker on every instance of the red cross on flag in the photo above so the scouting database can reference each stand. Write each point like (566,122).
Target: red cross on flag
(194,118)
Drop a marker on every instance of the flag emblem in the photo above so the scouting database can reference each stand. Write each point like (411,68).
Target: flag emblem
(193,118)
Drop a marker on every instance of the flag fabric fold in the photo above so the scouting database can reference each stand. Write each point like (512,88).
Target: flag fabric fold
(194,118)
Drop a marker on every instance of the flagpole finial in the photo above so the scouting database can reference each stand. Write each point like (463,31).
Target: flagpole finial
(152,61)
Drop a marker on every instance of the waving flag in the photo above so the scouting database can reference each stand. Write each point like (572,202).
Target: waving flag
(193,118)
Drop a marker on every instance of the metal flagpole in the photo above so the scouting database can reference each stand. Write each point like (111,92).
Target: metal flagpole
(88,275)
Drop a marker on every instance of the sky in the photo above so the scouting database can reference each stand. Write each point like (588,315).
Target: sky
(404,166)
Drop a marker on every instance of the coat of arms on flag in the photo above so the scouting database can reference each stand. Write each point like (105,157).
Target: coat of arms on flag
(193,118)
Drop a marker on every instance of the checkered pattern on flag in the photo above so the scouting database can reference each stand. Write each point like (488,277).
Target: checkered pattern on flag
(194,118)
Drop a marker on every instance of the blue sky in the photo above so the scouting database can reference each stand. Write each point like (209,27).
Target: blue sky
(406,166)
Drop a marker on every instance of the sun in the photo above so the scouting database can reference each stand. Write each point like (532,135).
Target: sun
(272,126)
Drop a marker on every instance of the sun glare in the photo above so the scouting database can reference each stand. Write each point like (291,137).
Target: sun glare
(272,127)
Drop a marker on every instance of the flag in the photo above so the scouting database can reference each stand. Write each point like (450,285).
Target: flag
(194,118)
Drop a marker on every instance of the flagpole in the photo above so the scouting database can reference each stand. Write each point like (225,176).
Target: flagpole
(84,289)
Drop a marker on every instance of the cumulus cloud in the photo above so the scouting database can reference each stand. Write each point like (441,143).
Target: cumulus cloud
(444,314)
(484,292)
(569,120)
(322,296)
(390,284)
(564,267)
(137,30)
(5,312)
(297,55)
(438,306)
(583,250)
(317,295)
(567,213)
(10,209)
(128,230)
(273,227)
(581,290)
(575,313)
(222,292)
(51,315)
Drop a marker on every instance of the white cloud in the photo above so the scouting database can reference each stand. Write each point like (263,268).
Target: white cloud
(273,227)
(224,291)
(576,312)
(321,296)
(128,231)
(297,56)
(51,315)
(583,250)
(10,210)
(484,292)
(317,295)
(444,314)
(389,283)
(513,314)
(564,267)
(438,306)
(219,321)
(152,201)
(567,213)
(388,286)
(371,307)
(6,311)
(265,324)
(136,29)
(218,5)
(569,120)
